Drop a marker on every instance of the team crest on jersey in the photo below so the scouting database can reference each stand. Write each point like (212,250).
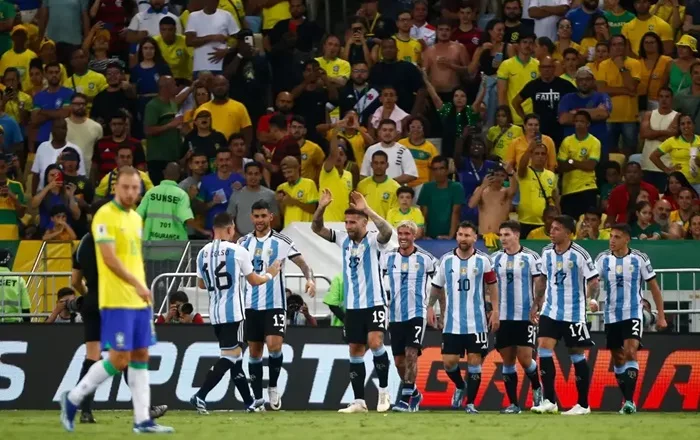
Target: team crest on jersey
(119,339)
(178,52)
(404,267)
(571,264)
(59,103)
(336,69)
(91,86)
(258,252)
(463,271)
(509,265)
(474,271)
(533,75)
(651,27)
(509,135)
(522,263)
(300,194)
(559,265)
(385,196)
(584,151)
(649,269)
(550,181)
(591,266)
(304,156)
(618,269)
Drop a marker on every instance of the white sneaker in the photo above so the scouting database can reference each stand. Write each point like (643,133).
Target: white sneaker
(577,410)
(383,403)
(275,399)
(546,407)
(358,406)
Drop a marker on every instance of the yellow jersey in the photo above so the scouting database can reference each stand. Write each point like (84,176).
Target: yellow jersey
(408,50)
(559,54)
(381,197)
(501,143)
(678,149)
(177,55)
(15,108)
(624,107)
(21,62)
(337,68)
(588,45)
(675,217)
(634,31)
(228,118)
(89,85)
(233,7)
(532,201)
(116,225)
(569,78)
(603,234)
(339,183)
(274,14)
(518,74)
(106,186)
(422,155)
(312,158)
(572,148)
(594,67)
(356,141)
(396,216)
(303,191)
(538,234)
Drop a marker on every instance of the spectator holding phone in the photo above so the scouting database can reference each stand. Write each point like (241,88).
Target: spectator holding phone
(180,311)
(52,194)
(48,153)
(12,203)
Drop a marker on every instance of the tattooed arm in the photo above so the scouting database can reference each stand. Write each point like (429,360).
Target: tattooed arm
(437,294)
(593,288)
(384,228)
(317,221)
(308,273)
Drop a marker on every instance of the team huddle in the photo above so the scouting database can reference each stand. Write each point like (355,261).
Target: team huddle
(525,299)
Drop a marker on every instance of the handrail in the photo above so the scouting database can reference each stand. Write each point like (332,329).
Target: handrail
(177,270)
(34,270)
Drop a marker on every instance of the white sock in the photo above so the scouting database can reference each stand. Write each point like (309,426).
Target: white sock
(98,373)
(140,391)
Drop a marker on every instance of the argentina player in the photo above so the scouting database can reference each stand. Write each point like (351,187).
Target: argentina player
(265,307)
(220,266)
(459,283)
(570,275)
(408,269)
(623,272)
(517,268)
(365,300)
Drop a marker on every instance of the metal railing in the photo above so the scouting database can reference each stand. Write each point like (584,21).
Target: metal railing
(199,298)
(48,299)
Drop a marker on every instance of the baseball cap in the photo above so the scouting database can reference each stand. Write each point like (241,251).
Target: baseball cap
(203,114)
(584,71)
(18,28)
(70,154)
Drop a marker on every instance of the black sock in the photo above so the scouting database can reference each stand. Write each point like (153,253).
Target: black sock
(275,366)
(473,382)
(214,376)
(511,382)
(630,379)
(381,366)
(582,381)
(548,374)
(533,376)
(456,377)
(241,382)
(125,375)
(620,377)
(86,405)
(407,390)
(255,369)
(357,377)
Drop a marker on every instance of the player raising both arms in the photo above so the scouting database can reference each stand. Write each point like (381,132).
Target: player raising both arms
(459,284)
(570,274)
(517,268)
(365,300)
(220,266)
(265,314)
(125,305)
(408,269)
(623,272)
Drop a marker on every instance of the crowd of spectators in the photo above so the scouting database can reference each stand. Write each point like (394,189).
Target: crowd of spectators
(436,112)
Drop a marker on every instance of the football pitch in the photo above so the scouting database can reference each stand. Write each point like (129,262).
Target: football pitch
(312,425)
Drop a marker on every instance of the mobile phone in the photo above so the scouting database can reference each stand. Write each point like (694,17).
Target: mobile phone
(108,26)
(249,40)
(538,138)
(59,178)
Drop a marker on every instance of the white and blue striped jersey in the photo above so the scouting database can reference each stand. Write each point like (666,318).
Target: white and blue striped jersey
(264,252)
(221,265)
(464,281)
(516,276)
(408,283)
(623,284)
(362,278)
(567,274)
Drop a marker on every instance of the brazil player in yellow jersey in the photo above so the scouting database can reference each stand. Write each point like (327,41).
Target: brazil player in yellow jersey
(125,306)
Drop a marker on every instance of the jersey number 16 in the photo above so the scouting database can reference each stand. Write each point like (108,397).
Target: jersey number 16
(222,279)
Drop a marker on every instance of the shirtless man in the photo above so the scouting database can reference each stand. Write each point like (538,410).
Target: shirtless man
(446,61)
(493,199)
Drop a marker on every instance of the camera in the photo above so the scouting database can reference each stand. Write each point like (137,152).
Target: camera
(294,303)
(186,309)
(75,305)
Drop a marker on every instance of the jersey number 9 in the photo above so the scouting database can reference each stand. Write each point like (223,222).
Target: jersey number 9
(222,278)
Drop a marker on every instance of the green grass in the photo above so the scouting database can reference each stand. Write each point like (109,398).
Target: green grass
(324,425)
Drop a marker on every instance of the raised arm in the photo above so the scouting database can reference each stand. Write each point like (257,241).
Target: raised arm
(385,231)
(317,221)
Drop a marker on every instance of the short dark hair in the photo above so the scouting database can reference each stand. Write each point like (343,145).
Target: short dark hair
(222,220)
(235,136)
(548,43)
(279,121)
(178,296)
(612,165)
(594,210)
(386,122)
(253,164)
(380,153)
(602,43)
(568,51)
(52,64)
(531,116)
(167,20)
(566,221)
(584,113)
(405,190)
(633,164)
(79,95)
(311,62)
(612,37)
(64,291)
(222,150)
(124,147)
(260,204)
(510,224)
(468,225)
(298,119)
(353,211)
(666,89)
(622,227)
(58,209)
(440,159)
(11,70)
(117,115)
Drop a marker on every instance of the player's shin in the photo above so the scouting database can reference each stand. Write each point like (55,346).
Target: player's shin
(98,373)
(255,370)
(408,388)
(86,405)
(140,391)
(620,377)
(381,365)
(214,376)
(548,373)
(239,379)
(357,376)
(455,375)
(473,382)
(275,360)
(510,379)
(582,378)
(531,372)
(629,377)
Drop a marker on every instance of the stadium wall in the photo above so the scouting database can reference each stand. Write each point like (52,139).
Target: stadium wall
(38,362)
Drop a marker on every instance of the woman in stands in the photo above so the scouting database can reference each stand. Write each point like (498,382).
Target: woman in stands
(53,194)
(598,32)
(683,151)
(655,70)
(676,182)
(694,229)
(679,73)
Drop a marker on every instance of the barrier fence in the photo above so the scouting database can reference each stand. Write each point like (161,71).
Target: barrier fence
(315,371)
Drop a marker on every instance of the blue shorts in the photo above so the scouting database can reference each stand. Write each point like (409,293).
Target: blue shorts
(127,329)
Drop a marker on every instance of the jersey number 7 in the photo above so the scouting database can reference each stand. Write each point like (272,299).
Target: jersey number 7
(222,278)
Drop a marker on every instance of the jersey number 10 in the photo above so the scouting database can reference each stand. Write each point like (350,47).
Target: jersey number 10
(222,279)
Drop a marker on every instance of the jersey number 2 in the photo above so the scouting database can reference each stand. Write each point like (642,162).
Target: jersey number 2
(222,279)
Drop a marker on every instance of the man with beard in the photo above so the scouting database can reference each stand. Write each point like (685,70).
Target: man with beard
(84,80)
(284,103)
(662,211)
(312,156)
(597,104)
(228,116)
(49,104)
(445,62)
(516,26)
(105,153)
(580,18)
(464,278)
(265,309)
(115,96)
(645,22)
(242,201)
(624,196)
(545,93)
(403,76)
(82,131)
(359,95)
